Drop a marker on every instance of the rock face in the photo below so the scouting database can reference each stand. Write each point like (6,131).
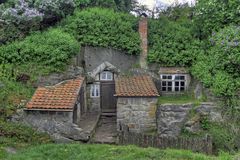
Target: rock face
(54,78)
(171,119)
(58,124)
(95,56)
(138,114)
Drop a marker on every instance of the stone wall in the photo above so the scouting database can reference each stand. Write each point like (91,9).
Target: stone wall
(58,124)
(172,118)
(95,56)
(138,114)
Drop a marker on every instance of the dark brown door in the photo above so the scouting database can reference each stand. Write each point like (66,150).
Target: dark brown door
(108,101)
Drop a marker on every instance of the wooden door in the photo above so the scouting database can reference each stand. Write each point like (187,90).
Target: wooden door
(108,101)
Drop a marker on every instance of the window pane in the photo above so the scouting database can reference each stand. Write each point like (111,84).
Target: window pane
(169,77)
(182,77)
(169,83)
(169,88)
(97,92)
(182,84)
(182,89)
(176,89)
(103,75)
(176,83)
(109,76)
(164,77)
(164,88)
(164,83)
(177,77)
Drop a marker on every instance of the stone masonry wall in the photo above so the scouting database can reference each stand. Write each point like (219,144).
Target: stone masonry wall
(138,114)
(172,118)
(57,124)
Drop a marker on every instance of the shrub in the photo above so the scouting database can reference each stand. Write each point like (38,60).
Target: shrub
(52,48)
(219,68)
(172,43)
(105,28)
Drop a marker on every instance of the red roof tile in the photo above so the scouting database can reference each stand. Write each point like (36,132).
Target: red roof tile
(61,96)
(136,86)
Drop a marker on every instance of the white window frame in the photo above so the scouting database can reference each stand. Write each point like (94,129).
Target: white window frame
(106,76)
(95,90)
(172,80)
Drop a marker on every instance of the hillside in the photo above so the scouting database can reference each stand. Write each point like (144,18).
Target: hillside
(39,38)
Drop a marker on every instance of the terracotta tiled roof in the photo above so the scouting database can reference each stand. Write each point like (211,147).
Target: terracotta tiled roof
(173,70)
(59,97)
(136,86)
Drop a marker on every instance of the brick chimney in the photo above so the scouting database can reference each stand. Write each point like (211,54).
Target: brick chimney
(143,31)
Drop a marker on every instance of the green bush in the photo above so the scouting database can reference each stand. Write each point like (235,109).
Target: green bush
(51,48)
(219,68)
(104,28)
(172,43)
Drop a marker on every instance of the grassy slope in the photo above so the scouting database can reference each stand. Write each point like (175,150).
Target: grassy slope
(105,152)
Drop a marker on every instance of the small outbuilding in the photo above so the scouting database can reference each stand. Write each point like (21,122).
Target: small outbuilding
(64,102)
(137,98)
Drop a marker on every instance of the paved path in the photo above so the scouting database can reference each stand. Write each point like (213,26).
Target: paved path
(106,131)
(89,123)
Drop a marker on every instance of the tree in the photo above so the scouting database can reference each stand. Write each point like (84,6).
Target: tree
(212,15)
(219,68)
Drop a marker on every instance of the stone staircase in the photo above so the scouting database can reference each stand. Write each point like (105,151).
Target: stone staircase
(106,131)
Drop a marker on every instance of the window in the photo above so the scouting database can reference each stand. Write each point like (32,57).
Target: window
(106,76)
(95,90)
(171,83)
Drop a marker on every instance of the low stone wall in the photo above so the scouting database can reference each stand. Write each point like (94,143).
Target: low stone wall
(57,124)
(138,114)
(172,118)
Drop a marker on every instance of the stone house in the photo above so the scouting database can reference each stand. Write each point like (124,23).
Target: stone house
(137,99)
(63,102)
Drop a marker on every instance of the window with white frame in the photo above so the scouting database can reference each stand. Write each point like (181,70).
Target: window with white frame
(95,90)
(173,83)
(106,76)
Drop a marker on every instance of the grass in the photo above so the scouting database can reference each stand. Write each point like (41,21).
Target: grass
(106,152)
(178,99)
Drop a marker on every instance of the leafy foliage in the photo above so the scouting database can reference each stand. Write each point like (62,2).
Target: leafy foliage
(172,42)
(212,15)
(105,28)
(53,47)
(219,68)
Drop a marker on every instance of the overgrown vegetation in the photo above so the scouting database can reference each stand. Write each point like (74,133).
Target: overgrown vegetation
(19,136)
(98,152)
(105,28)
(205,38)
(53,47)
(172,43)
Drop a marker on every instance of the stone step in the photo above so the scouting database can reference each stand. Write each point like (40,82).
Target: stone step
(109,114)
